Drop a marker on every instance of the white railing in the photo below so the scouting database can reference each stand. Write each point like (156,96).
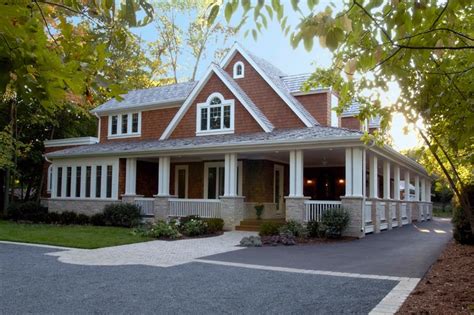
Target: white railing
(314,209)
(146,205)
(205,208)
(393,213)
(382,206)
(369,225)
(403,210)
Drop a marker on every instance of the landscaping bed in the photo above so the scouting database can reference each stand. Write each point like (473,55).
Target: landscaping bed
(448,287)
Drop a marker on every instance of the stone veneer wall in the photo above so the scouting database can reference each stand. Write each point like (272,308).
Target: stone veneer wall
(84,206)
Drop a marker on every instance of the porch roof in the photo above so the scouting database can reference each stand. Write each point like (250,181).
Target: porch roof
(311,135)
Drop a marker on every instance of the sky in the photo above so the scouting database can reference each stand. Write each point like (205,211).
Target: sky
(273,46)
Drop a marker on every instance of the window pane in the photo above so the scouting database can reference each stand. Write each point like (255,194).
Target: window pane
(239,70)
(114,125)
(135,122)
(109,181)
(226,116)
(60,182)
(215,101)
(78,181)
(221,181)
(50,178)
(211,183)
(203,118)
(98,181)
(215,114)
(68,181)
(125,123)
(182,183)
(88,181)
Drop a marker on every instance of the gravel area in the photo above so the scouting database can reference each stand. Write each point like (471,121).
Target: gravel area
(36,283)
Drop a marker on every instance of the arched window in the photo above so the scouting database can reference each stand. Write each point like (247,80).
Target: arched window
(238,70)
(216,116)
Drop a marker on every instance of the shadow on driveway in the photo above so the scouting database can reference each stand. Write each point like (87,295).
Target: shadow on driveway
(402,252)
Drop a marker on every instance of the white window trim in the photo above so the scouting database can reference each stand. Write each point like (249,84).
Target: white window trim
(208,165)
(50,179)
(235,75)
(224,102)
(281,169)
(129,134)
(176,179)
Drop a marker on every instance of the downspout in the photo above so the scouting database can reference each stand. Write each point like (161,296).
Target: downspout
(99,126)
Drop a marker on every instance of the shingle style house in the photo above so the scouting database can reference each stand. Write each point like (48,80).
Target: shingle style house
(245,134)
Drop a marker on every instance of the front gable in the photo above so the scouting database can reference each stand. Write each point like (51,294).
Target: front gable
(260,91)
(186,125)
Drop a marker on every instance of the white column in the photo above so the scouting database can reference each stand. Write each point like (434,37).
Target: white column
(423,190)
(83,181)
(164,176)
(348,171)
(406,179)
(103,189)
(230,175)
(64,182)
(428,190)
(131,177)
(373,178)
(417,188)
(396,182)
(73,181)
(386,179)
(296,173)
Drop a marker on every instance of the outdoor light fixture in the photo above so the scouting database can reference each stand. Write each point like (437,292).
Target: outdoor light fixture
(309,181)
(341,181)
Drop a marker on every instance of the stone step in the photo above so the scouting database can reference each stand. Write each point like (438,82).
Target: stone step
(254,224)
(247,228)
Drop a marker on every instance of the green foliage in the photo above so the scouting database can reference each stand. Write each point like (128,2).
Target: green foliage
(121,214)
(316,229)
(463,232)
(67,218)
(251,241)
(214,225)
(335,221)
(27,211)
(160,229)
(98,219)
(293,227)
(269,228)
(259,210)
(193,227)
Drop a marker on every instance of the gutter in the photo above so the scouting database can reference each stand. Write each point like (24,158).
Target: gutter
(150,105)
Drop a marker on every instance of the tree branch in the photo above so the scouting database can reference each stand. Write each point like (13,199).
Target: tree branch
(440,14)
(46,23)
(436,30)
(375,21)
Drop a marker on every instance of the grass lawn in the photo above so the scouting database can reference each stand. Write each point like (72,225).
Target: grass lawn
(442,214)
(78,236)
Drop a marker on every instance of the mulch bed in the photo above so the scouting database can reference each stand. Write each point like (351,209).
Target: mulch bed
(266,241)
(448,287)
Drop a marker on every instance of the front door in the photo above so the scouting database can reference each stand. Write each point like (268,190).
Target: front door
(278,180)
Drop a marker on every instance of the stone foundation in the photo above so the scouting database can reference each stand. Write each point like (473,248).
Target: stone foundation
(354,205)
(84,206)
(162,207)
(295,208)
(232,211)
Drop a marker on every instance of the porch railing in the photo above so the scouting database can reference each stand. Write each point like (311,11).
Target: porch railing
(146,206)
(369,226)
(403,209)
(314,209)
(205,208)
(393,213)
(383,217)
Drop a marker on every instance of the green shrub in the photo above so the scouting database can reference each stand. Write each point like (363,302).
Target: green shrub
(462,228)
(83,219)
(53,218)
(251,241)
(27,211)
(335,221)
(163,229)
(193,228)
(269,228)
(293,227)
(97,219)
(122,214)
(188,218)
(67,218)
(259,210)
(316,229)
(214,225)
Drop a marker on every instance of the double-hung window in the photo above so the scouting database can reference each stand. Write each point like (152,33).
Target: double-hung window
(216,116)
(125,125)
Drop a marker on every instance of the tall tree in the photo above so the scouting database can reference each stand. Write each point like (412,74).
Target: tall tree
(185,35)
(425,47)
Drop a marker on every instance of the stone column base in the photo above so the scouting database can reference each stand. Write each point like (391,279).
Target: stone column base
(409,211)
(415,212)
(376,214)
(295,208)
(130,198)
(232,211)
(355,207)
(162,207)
(388,214)
(399,213)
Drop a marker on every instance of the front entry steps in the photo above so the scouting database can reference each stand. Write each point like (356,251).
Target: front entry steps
(253,225)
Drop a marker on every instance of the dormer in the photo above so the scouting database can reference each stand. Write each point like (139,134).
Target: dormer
(238,70)
(215,116)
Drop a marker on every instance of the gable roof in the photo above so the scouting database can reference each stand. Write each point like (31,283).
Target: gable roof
(294,83)
(254,111)
(273,76)
(138,99)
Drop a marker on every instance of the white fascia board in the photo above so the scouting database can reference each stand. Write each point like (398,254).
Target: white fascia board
(236,48)
(403,161)
(246,147)
(187,103)
(70,141)
(316,91)
(242,101)
(144,106)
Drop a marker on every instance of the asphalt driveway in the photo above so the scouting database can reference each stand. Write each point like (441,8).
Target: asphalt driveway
(31,281)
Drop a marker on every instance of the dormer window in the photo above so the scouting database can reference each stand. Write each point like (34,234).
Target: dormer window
(238,70)
(216,116)
(125,125)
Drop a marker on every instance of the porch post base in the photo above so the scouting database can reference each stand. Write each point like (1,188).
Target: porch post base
(161,205)
(388,214)
(295,208)
(399,213)
(376,214)
(416,212)
(409,211)
(130,198)
(355,207)
(232,211)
